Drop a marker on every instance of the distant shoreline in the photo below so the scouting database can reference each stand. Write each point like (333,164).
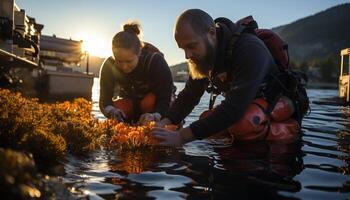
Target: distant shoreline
(322,85)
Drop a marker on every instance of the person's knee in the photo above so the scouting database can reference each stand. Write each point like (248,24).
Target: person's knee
(126,106)
(148,103)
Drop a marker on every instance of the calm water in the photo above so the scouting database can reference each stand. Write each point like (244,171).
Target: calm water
(316,168)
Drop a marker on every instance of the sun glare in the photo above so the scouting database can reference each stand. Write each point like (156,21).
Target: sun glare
(94,44)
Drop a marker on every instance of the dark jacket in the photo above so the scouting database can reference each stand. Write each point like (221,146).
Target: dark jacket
(251,63)
(152,74)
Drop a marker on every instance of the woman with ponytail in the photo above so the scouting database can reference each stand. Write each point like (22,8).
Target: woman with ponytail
(136,83)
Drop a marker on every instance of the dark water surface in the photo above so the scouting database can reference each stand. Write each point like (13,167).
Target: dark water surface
(316,168)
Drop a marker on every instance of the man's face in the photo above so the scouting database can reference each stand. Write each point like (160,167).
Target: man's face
(199,49)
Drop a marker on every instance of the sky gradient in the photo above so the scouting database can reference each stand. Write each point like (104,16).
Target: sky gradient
(96,21)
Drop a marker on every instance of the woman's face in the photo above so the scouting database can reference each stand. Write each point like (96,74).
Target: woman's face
(126,59)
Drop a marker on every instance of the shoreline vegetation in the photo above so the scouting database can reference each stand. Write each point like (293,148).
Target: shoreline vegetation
(52,130)
(48,131)
(36,135)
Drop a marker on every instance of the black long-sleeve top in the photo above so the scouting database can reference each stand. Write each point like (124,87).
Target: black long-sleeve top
(251,63)
(152,74)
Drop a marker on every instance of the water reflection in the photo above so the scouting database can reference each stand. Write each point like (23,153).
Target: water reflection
(138,161)
(316,167)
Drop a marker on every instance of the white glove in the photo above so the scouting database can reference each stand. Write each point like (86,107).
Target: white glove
(115,113)
(148,117)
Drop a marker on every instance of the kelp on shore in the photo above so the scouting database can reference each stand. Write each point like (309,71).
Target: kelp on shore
(48,131)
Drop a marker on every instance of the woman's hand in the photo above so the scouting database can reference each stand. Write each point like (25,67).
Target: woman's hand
(115,113)
(148,117)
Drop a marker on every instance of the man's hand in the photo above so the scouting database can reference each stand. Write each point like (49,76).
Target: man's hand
(163,122)
(148,117)
(115,113)
(172,138)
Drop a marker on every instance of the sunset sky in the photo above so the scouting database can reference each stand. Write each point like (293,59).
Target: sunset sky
(96,21)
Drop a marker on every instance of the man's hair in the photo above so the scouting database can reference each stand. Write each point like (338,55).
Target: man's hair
(199,20)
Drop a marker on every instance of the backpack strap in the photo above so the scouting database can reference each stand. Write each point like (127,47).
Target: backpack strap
(148,66)
(245,25)
(232,43)
(273,92)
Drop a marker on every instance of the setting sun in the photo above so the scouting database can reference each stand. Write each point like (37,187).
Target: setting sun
(95,44)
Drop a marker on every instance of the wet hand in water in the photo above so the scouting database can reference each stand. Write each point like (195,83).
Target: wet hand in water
(166,137)
(148,117)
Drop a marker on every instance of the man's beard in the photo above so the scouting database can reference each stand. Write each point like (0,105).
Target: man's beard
(200,68)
